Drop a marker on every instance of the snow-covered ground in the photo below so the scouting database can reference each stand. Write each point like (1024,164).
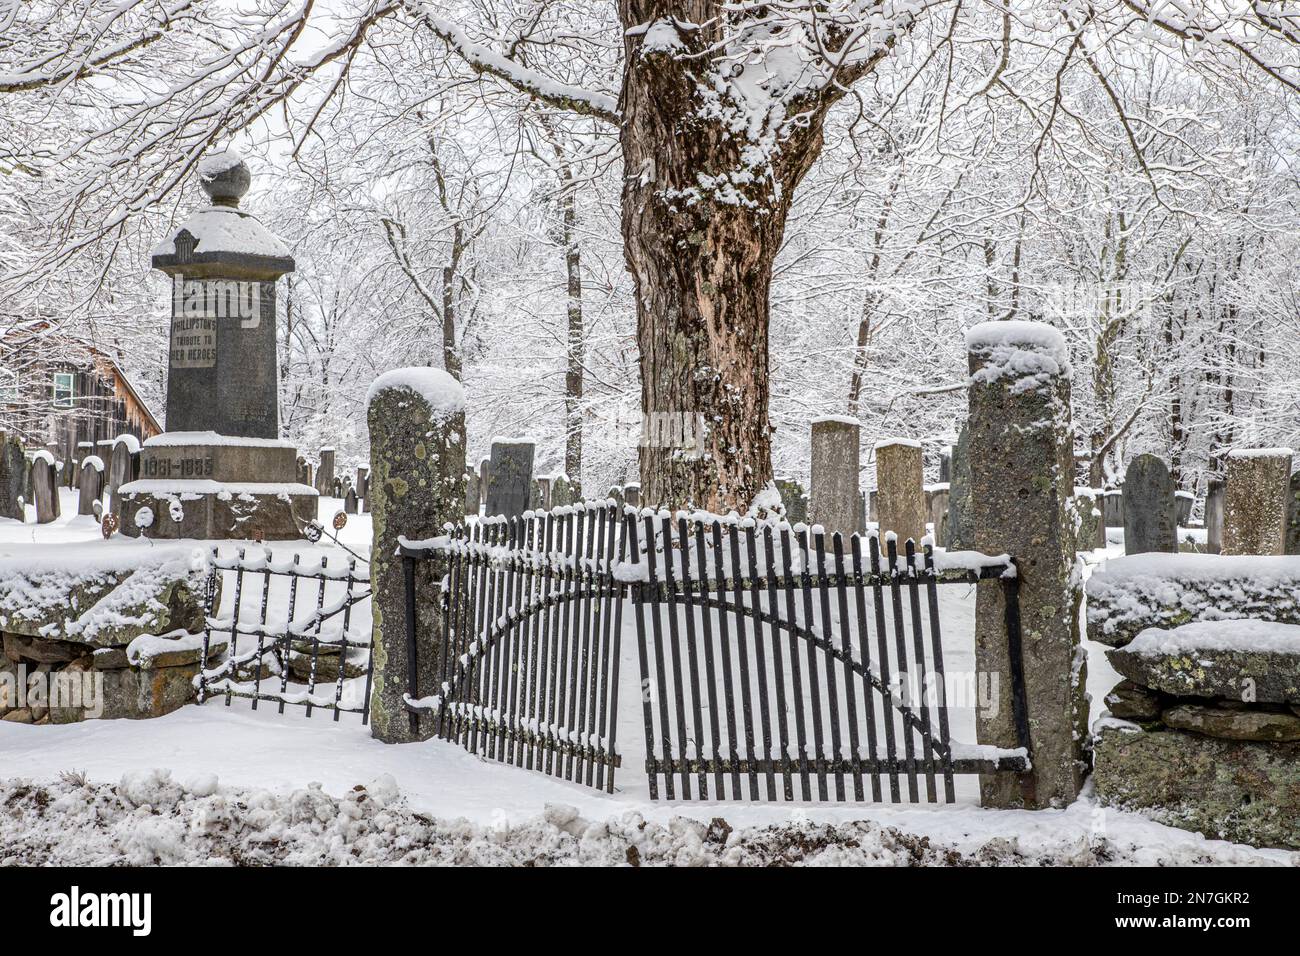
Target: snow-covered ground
(218,783)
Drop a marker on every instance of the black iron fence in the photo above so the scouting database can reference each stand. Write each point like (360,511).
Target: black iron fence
(317,656)
(774,662)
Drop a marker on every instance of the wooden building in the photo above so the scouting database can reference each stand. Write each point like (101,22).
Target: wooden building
(58,390)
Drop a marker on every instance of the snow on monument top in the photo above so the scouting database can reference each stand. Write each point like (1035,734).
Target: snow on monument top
(445,395)
(1033,353)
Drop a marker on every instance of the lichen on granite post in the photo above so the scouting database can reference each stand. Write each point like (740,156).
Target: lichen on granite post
(417,460)
(834,503)
(1255,501)
(1022,486)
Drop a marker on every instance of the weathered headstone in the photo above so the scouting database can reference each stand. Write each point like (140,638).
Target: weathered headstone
(939,495)
(1183,502)
(14,472)
(562,492)
(541,493)
(961,518)
(1293,515)
(1022,482)
(1255,501)
(338,487)
(1150,522)
(304,471)
(945,467)
(510,478)
(1092,533)
(45,488)
(123,467)
(834,503)
(91,485)
(899,489)
(417,459)
(793,499)
(350,502)
(1214,516)
(85,450)
(632,492)
(1112,507)
(363,482)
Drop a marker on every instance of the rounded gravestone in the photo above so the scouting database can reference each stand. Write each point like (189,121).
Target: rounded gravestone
(1150,511)
(91,485)
(45,487)
(510,489)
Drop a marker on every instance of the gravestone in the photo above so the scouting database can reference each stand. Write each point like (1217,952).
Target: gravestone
(1214,516)
(68,472)
(1255,501)
(900,493)
(1183,502)
(304,471)
(91,485)
(1022,483)
(325,473)
(350,502)
(222,382)
(1092,532)
(562,492)
(945,467)
(616,495)
(1112,507)
(416,418)
(1293,515)
(85,450)
(961,520)
(484,470)
(222,363)
(510,478)
(363,481)
(14,476)
(338,487)
(939,512)
(471,493)
(794,500)
(872,512)
(541,495)
(1150,522)
(835,503)
(45,488)
(632,492)
(123,467)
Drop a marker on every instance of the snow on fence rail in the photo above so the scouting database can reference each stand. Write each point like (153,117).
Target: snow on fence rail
(767,652)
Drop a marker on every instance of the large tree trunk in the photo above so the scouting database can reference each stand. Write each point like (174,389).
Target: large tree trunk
(700,247)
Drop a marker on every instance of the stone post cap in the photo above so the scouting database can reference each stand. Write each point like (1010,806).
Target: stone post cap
(1031,353)
(444,395)
(225,177)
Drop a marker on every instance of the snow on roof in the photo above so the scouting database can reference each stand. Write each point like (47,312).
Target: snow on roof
(225,229)
(445,395)
(842,419)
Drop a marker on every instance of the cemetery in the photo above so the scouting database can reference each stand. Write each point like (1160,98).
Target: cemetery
(379,489)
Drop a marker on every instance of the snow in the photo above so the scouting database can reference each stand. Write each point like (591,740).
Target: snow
(1245,634)
(906,442)
(174,439)
(225,229)
(130,441)
(94,461)
(1260,453)
(207,486)
(841,419)
(214,164)
(445,395)
(215,784)
(1032,353)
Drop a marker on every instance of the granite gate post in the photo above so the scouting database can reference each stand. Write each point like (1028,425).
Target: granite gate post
(1022,485)
(417,458)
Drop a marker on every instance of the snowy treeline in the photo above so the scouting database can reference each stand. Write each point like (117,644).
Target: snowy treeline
(450,184)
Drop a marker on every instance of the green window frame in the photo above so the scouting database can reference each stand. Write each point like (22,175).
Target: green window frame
(65,389)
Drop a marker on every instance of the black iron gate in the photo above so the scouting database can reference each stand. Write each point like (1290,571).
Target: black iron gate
(774,663)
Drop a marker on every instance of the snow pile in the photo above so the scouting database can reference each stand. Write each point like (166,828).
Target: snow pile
(177,439)
(225,229)
(1246,635)
(150,819)
(1260,453)
(1032,353)
(445,395)
(1130,594)
(214,164)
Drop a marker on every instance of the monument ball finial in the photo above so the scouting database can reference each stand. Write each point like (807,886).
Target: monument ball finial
(224,177)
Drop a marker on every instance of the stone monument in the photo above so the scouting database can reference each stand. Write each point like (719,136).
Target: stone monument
(220,470)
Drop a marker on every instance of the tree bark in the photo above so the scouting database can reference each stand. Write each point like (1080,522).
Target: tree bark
(700,246)
(573,377)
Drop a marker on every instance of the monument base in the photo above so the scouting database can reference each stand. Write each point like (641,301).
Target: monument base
(208,486)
